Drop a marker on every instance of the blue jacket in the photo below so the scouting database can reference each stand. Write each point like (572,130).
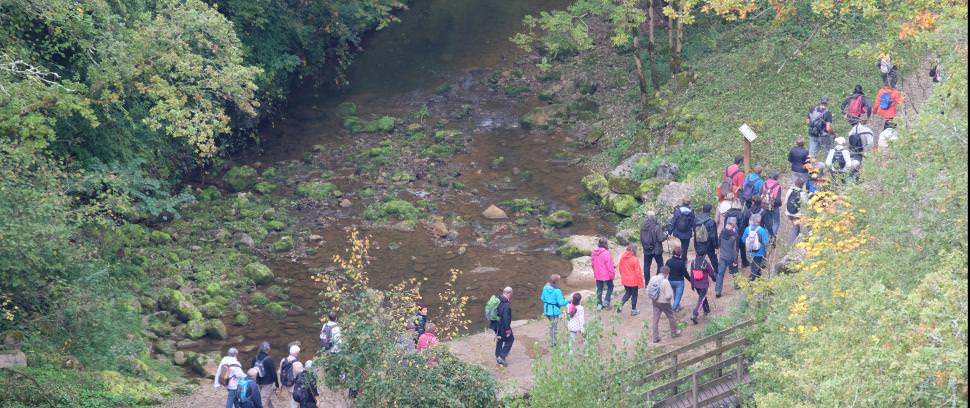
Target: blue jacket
(552,300)
(763,233)
(756,181)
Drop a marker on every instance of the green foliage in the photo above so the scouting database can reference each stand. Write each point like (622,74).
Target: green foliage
(318,190)
(395,208)
(285,243)
(240,178)
(434,379)
(264,187)
(559,34)
(522,205)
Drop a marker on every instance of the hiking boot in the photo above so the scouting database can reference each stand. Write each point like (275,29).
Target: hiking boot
(599,307)
(501,361)
(717,296)
(656,340)
(634,312)
(693,319)
(679,332)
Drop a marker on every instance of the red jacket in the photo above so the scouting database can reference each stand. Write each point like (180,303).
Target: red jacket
(889,112)
(631,271)
(736,181)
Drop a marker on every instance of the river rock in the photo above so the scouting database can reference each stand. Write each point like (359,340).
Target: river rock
(184,344)
(673,194)
(11,359)
(345,203)
(494,213)
(165,347)
(179,358)
(71,363)
(314,238)
(243,239)
(216,329)
(195,329)
(627,236)
(258,273)
(582,271)
(668,171)
(439,229)
(202,364)
(622,204)
(788,262)
(576,246)
(625,168)
(558,219)
(596,185)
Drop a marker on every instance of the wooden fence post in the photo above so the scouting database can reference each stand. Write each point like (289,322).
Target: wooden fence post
(693,390)
(673,375)
(717,358)
(740,377)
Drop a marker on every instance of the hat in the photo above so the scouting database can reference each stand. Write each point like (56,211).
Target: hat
(840,141)
(824,100)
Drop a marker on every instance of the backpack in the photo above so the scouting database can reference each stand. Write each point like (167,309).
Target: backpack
(733,213)
(885,100)
(794,202)
(653,291)
(244,396)
(728,183)
(491,308)
(226,373)
(261,367)
(681,221)
(838,161)
(300,391)
(856,107)
(816,126)
(700,233)
(769,198)
(753,242)
(747,191)
(697,269)
(286,372)
(326,337)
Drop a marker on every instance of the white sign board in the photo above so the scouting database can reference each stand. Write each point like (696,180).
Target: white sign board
(748,133)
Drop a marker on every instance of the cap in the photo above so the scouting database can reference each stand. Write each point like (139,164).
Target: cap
(824,100)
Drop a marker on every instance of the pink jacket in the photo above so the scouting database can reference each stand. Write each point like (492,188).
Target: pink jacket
(603,265)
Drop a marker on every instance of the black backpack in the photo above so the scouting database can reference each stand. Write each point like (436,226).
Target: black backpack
(682,221)
(794,202)
(816,128)
(300,391)
(286,372)
(733,213)
(838,161)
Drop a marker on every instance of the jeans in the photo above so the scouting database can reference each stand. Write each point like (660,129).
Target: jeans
(775,217)
(630,293)
(658,309)
(232,400)
(701,301)
(757,264)
(553,328)
(678,287)
(599,292)
(723,266)
(659,258)
(815,144)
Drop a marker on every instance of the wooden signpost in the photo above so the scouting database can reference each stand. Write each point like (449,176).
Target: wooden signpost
(749,136)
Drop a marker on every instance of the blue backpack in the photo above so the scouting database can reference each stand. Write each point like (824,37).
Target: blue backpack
(243,395)
(749,190)
(885,101)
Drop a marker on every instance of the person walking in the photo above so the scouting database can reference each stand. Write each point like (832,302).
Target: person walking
(266,378)
(755,238)
(887,70)
(577,317)
(796,196)
(661,293)
(330,338)
(420,318)
(287,374)
(682,224)
(429,338)
(737,212)
(887,100)
(228,373)
(700,278)
(304,386)
(735,173)
(677,272)
(652,238)
(839,161)
(631,277)
(727,255)
(604,272)
(757,210)
(771,201)
(861,140)
(552,303)
(855,106)
(752,187)
(798,157)
(705,234)
(250,395)
(405,341)
(503,328)
(820,131)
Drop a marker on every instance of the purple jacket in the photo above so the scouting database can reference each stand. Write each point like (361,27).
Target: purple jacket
(603,265)
(708,273)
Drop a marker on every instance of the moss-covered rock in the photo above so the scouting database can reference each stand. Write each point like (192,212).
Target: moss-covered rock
(214,328)
(269,172)
(275,225)
(240,178)
(259,299)
(186,311)
(195,329)
(210,193)
(621,204)
(211,310)
(318,190)
(160,237)
(381,124)
(275,310)
(650,188)
(346,109)
(258,273)
(622,185)
(576,246)
(596,185)
(558,219)
(283,244)
(395,208)
(264,187)
(241,319)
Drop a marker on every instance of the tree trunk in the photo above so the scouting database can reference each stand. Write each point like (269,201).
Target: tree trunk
(641,79)
(652,47)
(679,46)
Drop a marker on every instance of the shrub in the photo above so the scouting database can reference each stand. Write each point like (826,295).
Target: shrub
(395,208)
(240,178)
(318,190)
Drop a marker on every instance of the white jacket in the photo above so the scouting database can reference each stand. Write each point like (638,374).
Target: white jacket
(849,163)
(577,323)
(235,372)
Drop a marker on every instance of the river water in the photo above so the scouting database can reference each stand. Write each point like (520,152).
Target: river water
(458,42)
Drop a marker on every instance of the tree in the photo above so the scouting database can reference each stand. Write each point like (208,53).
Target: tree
(627,16)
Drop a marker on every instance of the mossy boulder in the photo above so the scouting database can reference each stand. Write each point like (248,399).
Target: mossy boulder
(259,299)
(212,310)
(576,246)
(210,193)
(160,237)
(269,172)
(622,185)
(596,185)
(201,364)
(318,190)
(283,244)
(240,178)
(186,311)
(275,225)
(264,187)
(622,204)
(214,328)
(275,310)
(241,319)
(346,109)
(649,188)
(258,273)
(195,329)
(381,124)
(395,208)
(558,219)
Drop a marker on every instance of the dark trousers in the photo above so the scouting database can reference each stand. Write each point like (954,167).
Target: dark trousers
(757,264)
(744,254)
(600,301)
(503,344)
(684,245)
(701,302)
(659,258)
(630,293)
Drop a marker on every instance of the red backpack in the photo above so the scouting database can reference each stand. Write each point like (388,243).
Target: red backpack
(856,107)
(698,269)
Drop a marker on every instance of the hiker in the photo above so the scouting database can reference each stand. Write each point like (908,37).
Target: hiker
(429,338)
(820,132)
(771,201)
(330,334)
(552,303)
(700,280)
(682,224)
(816,180)
(577,317)
(287,375)
(798,156)
(631,277)
(661,293)
(755,238)
(705,234)
(727,256)
(839,161)
(677,271)
(405,342)
(737,212)
(266,378)
(794,199)
(860,142)
(857,105)
(604,272)
(305,386)
(887,70)
(735,174)
(757,210)
(420,319)
(228,373)
(887,136)
(250,395)
(887,100)
(652,238)
(752,186)
(503,328)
